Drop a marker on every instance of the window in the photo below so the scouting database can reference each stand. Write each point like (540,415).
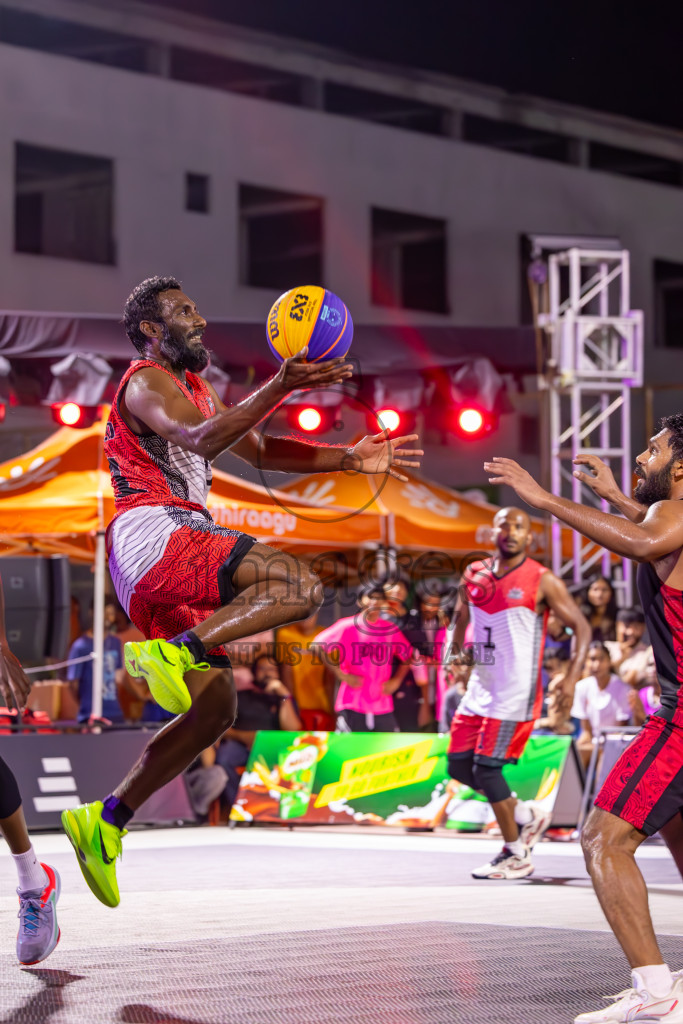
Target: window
(396,111)
(516,138)
(197,192)
(668,304)
(409,261)
(236,76)
(63,204)
(69,39)
(635,165)
(281,238)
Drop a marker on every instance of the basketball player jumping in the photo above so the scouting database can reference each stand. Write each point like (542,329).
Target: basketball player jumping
(643,793)
(507,599)
(178,575)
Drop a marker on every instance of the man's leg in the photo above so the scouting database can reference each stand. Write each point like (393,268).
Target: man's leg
(609,845)
(95,830)
(173,748)
(39,884)
(271,588)
(267,588)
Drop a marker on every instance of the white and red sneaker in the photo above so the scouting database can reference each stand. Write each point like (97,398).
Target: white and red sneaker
(38,929)
(639,1005)
(506,864)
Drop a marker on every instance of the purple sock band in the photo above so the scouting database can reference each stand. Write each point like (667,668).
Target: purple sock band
(116,812)
(193,644)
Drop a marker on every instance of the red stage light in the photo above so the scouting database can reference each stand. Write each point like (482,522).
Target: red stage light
(389,419)
(70,414)
(470,421)
(309,419)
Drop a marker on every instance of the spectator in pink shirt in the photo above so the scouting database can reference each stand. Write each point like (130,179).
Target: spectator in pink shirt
(359,650)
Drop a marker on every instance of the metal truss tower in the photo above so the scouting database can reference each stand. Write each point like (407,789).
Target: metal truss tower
(593,358)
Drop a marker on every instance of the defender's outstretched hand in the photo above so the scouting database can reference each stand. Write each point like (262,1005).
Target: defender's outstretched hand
(507,471)
(600,479)
(378,453)
(296,373)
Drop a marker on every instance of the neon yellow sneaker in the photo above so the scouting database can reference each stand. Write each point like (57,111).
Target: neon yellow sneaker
(163,666)
(97,844)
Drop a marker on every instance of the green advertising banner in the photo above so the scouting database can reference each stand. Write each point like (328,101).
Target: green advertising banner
(397,779)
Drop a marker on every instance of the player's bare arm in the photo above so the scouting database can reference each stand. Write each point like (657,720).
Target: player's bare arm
(376,453)
(555,595)
(658,535)
(601,481)
(153,403)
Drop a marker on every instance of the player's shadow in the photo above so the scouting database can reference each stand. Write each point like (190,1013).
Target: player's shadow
(48,1001)
(582,883)
(139,1013)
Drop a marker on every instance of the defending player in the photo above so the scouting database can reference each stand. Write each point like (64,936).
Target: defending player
(507,598)
(178,575)
(643,793)
(39,884)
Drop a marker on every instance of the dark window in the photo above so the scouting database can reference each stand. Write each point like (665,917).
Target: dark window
(63,204)
(281,238)
(381,108)
(235,76)
(516,138)
(409,261)
(197,192)
(69,39)
(635,165)
(668,304)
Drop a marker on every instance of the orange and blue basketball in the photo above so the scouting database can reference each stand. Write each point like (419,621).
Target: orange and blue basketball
(309,316)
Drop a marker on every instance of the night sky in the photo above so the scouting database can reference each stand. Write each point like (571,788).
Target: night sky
(613,55)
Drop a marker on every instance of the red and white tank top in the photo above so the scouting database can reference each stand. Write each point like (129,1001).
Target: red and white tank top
(508,637)
(146,469)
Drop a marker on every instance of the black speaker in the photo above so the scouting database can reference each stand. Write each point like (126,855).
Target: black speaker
(59,626)
(26,586)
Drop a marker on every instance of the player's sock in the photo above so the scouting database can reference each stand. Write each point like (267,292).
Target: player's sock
(193,644)
(116,812)
(655,978)
(517,848)
(523,813)
(30,871)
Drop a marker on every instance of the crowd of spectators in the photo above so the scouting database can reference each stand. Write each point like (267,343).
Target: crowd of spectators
(382,669)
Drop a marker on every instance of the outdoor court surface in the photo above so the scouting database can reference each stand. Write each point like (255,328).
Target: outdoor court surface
(256,926)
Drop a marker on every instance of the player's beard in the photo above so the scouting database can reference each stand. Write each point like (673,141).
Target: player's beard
(657,487)
(181,355)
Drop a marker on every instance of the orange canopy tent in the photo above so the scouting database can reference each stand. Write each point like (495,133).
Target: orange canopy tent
(421,515)
(58,496)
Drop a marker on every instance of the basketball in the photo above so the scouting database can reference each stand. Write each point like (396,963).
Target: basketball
(309,316)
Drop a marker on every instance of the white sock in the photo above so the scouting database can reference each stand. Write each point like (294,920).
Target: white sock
(654,978)
(519,849)
(30,871)
(523,813)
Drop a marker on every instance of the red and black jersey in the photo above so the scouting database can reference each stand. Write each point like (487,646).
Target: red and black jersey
(663,607)
(146,469)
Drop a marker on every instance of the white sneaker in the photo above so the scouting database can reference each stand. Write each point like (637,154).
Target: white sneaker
(534,829)
(506,864)
(638,1005)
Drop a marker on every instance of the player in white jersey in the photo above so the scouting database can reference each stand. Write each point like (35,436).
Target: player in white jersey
(507,598)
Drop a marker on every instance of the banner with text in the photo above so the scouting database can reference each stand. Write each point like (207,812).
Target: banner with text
(380,778)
